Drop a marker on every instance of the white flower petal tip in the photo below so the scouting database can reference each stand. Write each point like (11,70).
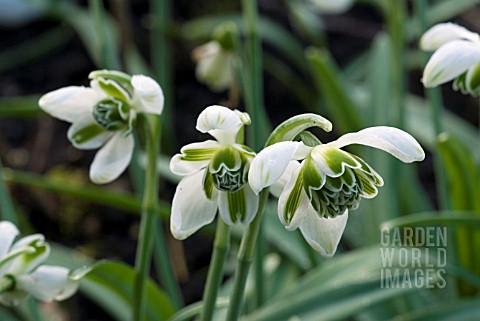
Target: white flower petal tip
(390,139)
(270,164)
(149,94)
(450,61)
(112,159)
(238,207)
(69,103)
(324,234)
(191,209)
(8,232)
(442,33)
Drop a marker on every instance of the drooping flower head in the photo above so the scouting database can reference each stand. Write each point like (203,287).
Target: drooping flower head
(215,175)
(22,272)
(104,115)
(320,190)
(216,59)
(456,57)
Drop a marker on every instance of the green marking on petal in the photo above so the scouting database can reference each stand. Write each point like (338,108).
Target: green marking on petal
(236,205)
(86,133)
(312,179)
(337,159)
(293,200)
(367,169)
(459,84)
(198,154)
(119,77)
(474,79)
(107,113)
(208,184)
(226,157)
(367,187)
(113,89)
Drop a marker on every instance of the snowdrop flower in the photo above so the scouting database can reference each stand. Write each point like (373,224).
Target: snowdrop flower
(328,182)
(214,65)
(215,175)
(103,115)
(21,272)
(456,56)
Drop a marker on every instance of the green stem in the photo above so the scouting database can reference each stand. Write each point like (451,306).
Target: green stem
(244,260)
(215,271)
(435,100)
(254,97)
(147,227)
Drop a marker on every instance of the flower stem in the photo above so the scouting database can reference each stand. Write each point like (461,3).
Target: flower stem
(244,260)
(147,227)
(215,271)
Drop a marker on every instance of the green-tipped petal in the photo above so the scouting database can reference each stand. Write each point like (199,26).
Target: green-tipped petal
(450,61)
(8,232)
(148,95)
(193,157)
(70,103)
(191,209)
(323,234)
(220,122)
(238,207)
(332,161)
(270,164)
(112,159)
(390,139)
(48,283)
(293,203)
(442,33)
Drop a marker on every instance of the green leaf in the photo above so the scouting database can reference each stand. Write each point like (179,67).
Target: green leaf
(464,310)
(462,173)
(110,284)
(293,126)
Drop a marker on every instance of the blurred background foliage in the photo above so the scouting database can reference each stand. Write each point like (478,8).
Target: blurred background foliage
(359,67)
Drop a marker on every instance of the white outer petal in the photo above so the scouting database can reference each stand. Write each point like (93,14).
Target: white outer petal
(70,103)
(304,206)
(220,122)
(8,232)
(191,209)
(214,66)
(277,187)
(48,283)
(390,139)
(450,61)
(148,94)
(270,164)
(332,6)
(441,33)
(184,167)
(112,159)
(323,234)
(251,200)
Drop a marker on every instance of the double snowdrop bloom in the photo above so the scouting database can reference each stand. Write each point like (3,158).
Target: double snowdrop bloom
(215,65)
(456,56)
(104,115)
(215,175)
(21,272)
(319,191)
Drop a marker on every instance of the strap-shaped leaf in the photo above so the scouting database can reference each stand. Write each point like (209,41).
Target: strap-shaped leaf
(110,284)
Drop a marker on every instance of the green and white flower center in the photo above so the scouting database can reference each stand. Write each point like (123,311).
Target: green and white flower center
(111,114)
(229,168)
